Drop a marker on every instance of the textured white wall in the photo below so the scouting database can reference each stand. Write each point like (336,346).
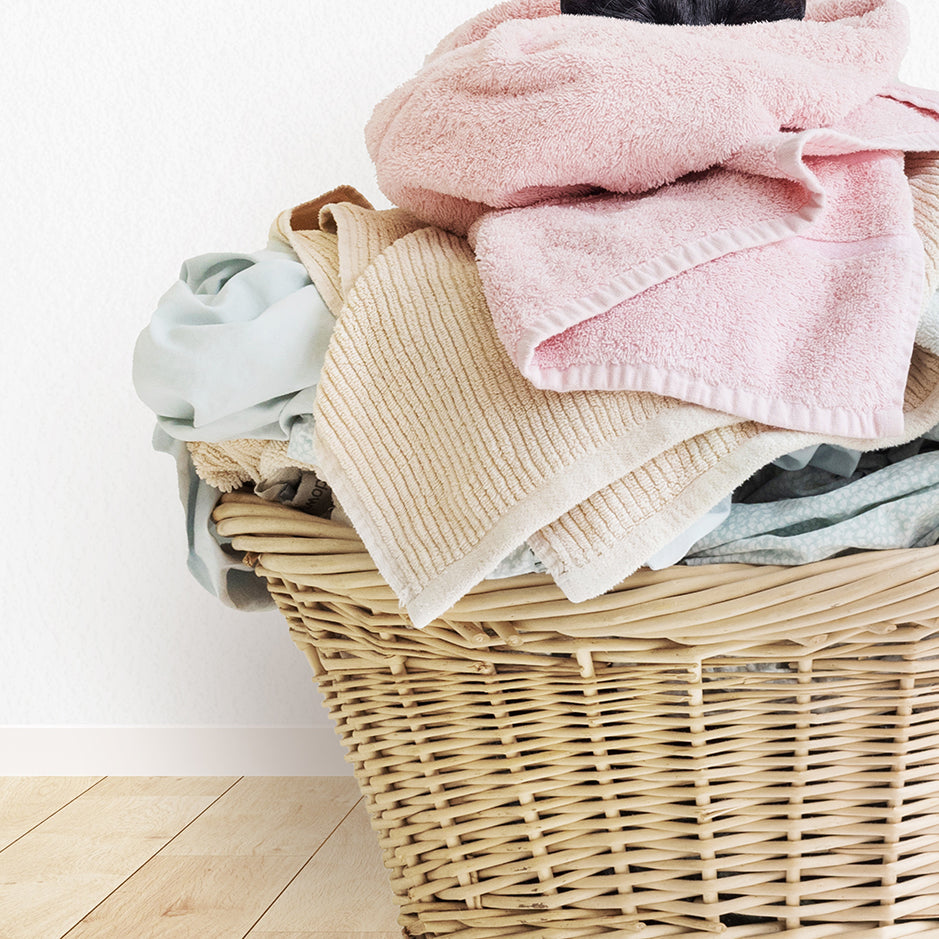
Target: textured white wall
(134,136)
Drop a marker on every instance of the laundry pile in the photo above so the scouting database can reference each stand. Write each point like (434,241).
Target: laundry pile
(606,325)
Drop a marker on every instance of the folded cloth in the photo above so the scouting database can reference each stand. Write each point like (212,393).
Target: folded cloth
(896,506)
(523,559)
(783,284)
(446,458)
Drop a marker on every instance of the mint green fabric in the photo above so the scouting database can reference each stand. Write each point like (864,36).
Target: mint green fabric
(211,560)
(892,501)
(235,348)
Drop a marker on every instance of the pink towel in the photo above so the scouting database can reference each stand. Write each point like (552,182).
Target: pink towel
(717,214)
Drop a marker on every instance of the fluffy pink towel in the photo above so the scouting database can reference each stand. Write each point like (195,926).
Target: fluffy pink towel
(717,214)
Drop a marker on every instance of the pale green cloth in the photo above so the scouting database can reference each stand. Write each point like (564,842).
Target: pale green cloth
(210,558)
(235,348)
(892,501)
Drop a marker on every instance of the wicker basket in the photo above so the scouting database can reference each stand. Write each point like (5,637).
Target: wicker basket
(759,757)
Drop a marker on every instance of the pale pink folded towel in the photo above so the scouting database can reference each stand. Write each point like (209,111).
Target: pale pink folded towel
(717,214)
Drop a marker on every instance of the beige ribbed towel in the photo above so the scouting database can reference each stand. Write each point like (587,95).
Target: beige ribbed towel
(922,170)
(337,236)
(446,459)
(609,535)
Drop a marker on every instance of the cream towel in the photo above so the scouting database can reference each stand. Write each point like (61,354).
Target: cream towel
(446,459)
(337,245)
(230,464)
(608,536)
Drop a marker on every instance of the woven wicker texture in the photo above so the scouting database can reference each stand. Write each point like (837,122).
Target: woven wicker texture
(741,750)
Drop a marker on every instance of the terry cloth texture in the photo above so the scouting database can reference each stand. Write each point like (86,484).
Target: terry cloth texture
(446,458)
(928,334)
(717,214)
(228,465)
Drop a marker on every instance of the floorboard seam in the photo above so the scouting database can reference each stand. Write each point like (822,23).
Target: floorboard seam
(303,866)
(134,873)
(51,814)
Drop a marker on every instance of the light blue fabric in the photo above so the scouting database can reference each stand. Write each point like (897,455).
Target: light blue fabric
(235,348)
(211,560)
(675,550)
(893,507)
(837,460)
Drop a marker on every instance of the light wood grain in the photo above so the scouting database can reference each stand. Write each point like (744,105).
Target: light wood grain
(290,815)
(52,876)
(220,874)
(25,801)
(167,857)
(186,897)
(166,785)
(343,890)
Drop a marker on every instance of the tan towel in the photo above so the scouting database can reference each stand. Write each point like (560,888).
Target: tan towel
(230,464)
(922,170)
(445,458)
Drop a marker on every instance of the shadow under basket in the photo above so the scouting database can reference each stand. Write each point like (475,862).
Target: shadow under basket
(748,751)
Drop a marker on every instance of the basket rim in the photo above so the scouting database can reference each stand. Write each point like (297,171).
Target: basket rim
(810,606)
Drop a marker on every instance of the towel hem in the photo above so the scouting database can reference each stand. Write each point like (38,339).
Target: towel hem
(558,495)
(743,403)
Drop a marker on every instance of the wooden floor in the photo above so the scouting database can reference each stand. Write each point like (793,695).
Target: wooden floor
(206,858)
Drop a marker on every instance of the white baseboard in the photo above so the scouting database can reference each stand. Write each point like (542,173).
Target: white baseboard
(171,751)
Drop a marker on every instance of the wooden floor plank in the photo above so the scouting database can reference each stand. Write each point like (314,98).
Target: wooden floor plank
(25,801)
(261,815)
(165,785)
(61,869)
(184,857)
(185,897)
(343,889)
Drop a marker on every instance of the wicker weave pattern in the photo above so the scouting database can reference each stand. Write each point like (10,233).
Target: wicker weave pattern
(531,774)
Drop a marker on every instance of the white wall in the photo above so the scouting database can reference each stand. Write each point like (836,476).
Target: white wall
(133,136)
